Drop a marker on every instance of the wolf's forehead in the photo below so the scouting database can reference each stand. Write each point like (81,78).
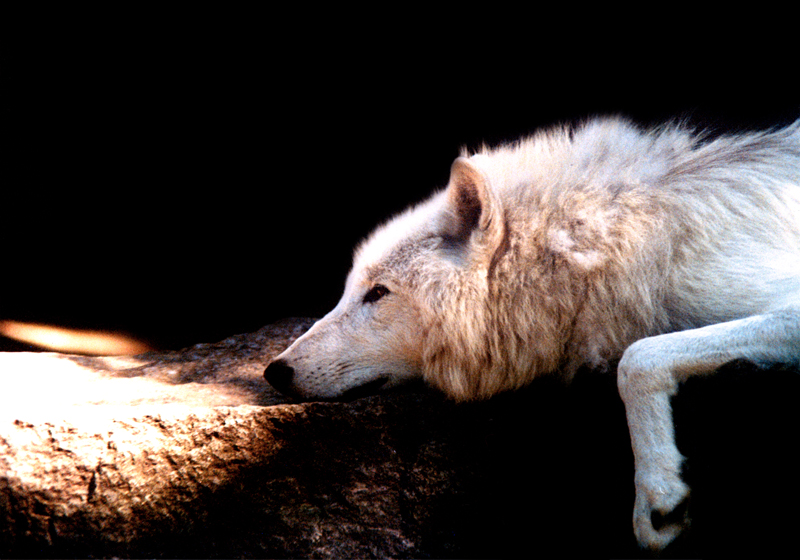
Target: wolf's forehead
(399,235)
(386,249)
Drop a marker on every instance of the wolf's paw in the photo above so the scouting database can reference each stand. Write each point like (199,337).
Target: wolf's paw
(660,513)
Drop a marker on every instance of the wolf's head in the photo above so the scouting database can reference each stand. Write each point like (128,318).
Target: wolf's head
(422,300)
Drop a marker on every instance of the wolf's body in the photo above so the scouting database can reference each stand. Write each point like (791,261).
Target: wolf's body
(578,247)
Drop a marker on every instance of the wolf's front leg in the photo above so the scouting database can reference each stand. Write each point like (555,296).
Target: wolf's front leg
(659,488)
(648,375)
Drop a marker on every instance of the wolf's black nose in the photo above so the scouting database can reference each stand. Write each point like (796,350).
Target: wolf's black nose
(279,374)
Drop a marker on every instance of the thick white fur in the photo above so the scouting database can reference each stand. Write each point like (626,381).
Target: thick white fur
(580,246)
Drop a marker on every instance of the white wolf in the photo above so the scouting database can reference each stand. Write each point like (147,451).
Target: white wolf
(667,251)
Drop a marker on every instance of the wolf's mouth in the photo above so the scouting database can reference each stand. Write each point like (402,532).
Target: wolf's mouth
(365,390)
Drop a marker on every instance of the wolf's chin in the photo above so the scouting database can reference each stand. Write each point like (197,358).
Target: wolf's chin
(365,390)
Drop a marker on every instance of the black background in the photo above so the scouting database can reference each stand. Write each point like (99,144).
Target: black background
(188,176)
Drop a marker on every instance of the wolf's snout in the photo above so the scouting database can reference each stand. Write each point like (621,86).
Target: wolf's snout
(280,375)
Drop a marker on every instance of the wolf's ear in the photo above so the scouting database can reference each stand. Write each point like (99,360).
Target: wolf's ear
(470,200)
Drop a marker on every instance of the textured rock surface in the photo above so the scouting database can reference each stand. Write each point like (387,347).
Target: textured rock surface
(105,455)
(190,454)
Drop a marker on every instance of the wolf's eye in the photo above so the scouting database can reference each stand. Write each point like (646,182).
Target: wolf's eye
(376,293)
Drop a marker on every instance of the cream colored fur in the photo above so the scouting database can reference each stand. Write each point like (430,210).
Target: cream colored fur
(577,247)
